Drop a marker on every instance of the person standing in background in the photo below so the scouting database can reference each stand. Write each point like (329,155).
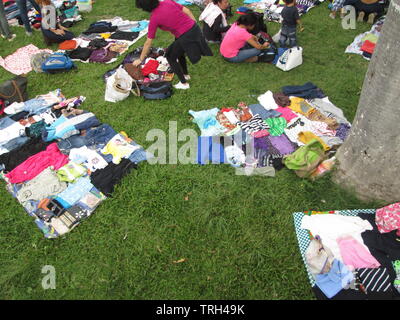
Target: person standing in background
(4,28)
(23,10)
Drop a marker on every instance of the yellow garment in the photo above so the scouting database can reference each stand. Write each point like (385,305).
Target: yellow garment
(307,136)
(119,147)
(105,35)
(371,37)
(300,105)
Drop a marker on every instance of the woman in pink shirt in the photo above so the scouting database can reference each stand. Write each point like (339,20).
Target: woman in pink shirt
(180,22)
(234,46)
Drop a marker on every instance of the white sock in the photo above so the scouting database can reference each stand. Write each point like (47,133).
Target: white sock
(181,85)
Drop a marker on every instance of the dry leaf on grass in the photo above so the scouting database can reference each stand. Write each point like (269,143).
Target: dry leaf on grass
(179,261)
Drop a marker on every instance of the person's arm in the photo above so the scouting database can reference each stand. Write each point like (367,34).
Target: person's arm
(298,21)
(189,13)
(301,28)
(145,52)
(216,27)
(257,45)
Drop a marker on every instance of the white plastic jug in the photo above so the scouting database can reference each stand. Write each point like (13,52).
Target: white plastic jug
(84,5)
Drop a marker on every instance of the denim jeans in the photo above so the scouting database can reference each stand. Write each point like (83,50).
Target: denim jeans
(24,12)
(243,55)
(307,91)
(288,33)
(4,28)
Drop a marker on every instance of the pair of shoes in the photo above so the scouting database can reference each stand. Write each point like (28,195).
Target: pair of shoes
(182,86)
(371,18)
(187,77)
(12,37)
(361,16)
(332,15)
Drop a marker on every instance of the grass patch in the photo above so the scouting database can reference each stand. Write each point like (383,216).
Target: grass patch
(236,233)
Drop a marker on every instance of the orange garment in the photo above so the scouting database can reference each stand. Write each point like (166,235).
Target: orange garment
(67,45)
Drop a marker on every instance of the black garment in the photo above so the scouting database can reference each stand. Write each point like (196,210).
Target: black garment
(98,43)
(191,43)
(214,33)
(352,294)
(385,247)
(290,15)
(15,157)
(19,116)
(100,29)
(105,179)
(122,35)
(80,53)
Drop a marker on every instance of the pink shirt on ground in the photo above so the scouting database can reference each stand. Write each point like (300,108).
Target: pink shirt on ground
(168,16)
(35,164)
(235,38)
(287,113)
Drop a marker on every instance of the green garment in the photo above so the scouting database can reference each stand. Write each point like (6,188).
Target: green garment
(277,126)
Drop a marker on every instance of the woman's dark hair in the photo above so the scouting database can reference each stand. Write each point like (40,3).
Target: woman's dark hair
(147,5)
(216,1)
(249,19)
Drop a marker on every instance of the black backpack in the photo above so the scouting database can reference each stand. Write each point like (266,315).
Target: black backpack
(156,90)
(268,55)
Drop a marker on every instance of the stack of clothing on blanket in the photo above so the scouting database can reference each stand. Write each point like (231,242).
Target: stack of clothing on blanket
(272,8)
(364,44)
(260,136)
(154,69)
(105,40)
(13,14)
(68,13)
(351,254)
(61,162)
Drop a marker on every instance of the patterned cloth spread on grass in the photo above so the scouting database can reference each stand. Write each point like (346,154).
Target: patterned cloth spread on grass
(20,61)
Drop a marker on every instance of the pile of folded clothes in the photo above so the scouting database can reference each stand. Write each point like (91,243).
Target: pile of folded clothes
(364,44)
(105,40)
(272,8)
(351,254)
(60,162)
(261,136)
(154,69)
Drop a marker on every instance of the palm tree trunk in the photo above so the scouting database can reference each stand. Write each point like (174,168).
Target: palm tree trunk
(369,160)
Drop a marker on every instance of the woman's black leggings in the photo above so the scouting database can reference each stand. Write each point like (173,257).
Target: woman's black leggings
(177,60)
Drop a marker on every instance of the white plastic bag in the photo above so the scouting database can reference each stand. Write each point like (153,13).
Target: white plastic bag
(118,86)
(290,59)
(277,36)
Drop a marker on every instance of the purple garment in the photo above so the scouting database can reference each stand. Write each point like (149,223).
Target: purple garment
(260,143)
(343,131)
(282,144)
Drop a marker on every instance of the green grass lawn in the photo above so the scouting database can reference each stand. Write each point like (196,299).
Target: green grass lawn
(236,233)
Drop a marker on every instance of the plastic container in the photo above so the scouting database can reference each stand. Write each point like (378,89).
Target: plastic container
(84,5)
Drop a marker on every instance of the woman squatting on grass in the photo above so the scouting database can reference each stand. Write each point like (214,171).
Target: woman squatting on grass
(189,40)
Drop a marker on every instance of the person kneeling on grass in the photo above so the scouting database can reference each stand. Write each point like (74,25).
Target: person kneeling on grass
(51,29)
(239,45)
(214,20)
(178,20)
